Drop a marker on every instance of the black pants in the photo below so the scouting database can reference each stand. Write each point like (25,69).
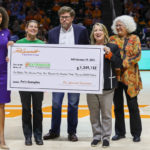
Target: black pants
(135,120)
(37,98)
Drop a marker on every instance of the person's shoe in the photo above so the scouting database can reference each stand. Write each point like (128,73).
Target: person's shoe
(5,147)
(28,141)
(39,141)
(50,135)
(136,139)
(105,143)
(117,137)
(72,137)
(95,143)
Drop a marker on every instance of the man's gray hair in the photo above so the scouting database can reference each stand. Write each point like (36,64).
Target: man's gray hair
(128,21)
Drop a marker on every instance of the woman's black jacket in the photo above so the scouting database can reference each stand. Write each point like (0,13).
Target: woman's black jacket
(110,80)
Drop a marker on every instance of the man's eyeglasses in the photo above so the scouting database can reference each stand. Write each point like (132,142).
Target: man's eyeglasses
(64,17)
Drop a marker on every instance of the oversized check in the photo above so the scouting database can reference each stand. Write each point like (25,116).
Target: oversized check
(59,68)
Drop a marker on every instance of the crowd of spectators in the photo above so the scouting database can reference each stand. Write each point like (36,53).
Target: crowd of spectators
(140,10)
(87,13)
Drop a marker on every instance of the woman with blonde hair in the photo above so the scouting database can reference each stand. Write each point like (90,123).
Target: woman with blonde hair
(128,77)
(101,104)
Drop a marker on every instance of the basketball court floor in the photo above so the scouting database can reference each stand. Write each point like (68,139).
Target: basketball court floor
(15,139)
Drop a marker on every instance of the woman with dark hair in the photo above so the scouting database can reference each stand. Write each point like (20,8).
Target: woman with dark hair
(4,94)
(101,104)
(27,97)
(37,97)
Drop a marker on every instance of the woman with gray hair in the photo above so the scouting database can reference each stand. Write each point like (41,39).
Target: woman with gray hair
(128,77)
(101,104)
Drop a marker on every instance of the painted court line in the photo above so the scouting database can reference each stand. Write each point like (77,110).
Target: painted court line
(13,111)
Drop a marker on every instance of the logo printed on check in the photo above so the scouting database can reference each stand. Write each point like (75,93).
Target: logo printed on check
(24,50)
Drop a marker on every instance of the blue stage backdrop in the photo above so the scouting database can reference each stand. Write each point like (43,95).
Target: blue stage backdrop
(144,63)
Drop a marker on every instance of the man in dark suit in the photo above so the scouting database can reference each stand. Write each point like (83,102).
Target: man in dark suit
(66,33)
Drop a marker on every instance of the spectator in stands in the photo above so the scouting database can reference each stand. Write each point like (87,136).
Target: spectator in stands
(37,16)
(30,14)
(22,29)
(96,3)
(128,5)
(129,79)
(56,7)
(45,21)
(14,12)
(147,34)
(16,27)
(88,4)
(28,3)
(65,2)
(95,20)
(41,11)
(14,37)
(21,16)
(74,2)
(80,16)
(96,12)
(147,14)
(88,21)
(138,5)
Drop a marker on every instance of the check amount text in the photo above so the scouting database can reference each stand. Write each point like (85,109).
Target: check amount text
(86,67)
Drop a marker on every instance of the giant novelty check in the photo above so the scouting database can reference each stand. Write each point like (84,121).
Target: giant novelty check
(57,68)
